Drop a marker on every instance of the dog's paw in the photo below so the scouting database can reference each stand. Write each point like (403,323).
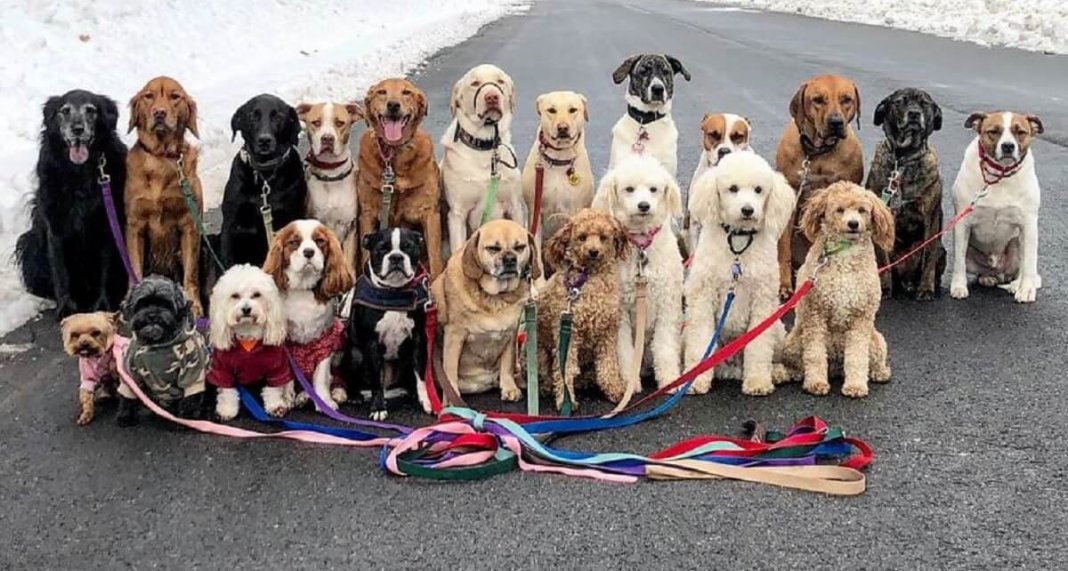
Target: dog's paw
(339,394)
(780,374)
(881,375)
(1026,292)
(227,411)
(195,307)
(560,403)
(379,415)
(701,385)
(277,410)
(329,402)
(818,388)
(511,394)
(300,399)
(958,289)
(855,390)
(192,407)
(758,387)
(924,295)
(785,292)
(987,281)
(85,417)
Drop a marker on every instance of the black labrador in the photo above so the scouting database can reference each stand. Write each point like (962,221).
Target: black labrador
(68,254)
(271,131)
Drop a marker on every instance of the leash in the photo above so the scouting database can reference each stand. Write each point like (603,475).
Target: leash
(641,296)
(530,346)
(567,319)
(265,189)
(194,209)
(993,172)
(113,220)
(544,161)
(495,175)
(389,178)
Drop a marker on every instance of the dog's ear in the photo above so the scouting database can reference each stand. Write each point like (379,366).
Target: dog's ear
(291,130)
(620,239)
(856,111)
(219,334)
(882,222)
(454,99)
(337,278)
(51,109)
(509,86)
(275,264)
(975,121)
(537,104)
(108,116)
(623,71)
(556,247)
(936,117)
(1036,125)
(190,119)
(533,267)
(677,67)
(704,199)
(585,108)
(302,110)
(779,208)
(274,332)
(420,100)
(471,266)
(355,111)
(672,196)
(797,106)
(605,198)
(368,240)
(136,104)
(237,122)
(880,111)
(812,217)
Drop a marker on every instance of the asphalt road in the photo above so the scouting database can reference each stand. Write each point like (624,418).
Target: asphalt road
(970,471)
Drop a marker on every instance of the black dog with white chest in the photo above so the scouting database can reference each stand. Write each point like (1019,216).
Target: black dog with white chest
(271,130)
(387,321)
(68,254)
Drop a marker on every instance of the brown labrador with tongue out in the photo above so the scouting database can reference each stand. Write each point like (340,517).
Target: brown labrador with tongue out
(394,109)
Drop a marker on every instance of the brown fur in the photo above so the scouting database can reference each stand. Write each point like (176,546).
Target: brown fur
(160,232)
(816,101)
(596,311)
(472,302)
(89,335)
(836,320)
(989,128)
(714,131)
(337,277)
(417,192)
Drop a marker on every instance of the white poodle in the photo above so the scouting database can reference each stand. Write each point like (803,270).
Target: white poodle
(743,205)
(644,197)
(248,330)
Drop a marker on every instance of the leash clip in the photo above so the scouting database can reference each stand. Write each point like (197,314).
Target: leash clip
(104,177)
(805,169)
(643,136)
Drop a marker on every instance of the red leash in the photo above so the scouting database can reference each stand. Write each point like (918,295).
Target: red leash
(539,182)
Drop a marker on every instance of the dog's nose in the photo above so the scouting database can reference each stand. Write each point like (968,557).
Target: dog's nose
(657,89)
(747,211)
(328,140)
(509,260)
(563,130)
(393,107)
(264,140)
(246,310)
(913,115)
(493,98)
(1008,148)
(396,258)
(643,206)
(593,253)
(723,151)
(77,129)
(159,114)
(836,123)
(853,224)
(309,253)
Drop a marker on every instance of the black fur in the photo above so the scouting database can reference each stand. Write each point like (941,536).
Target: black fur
(156,310)
(908,117)
(364,360)
(68,254)
(271,131)
(643,69)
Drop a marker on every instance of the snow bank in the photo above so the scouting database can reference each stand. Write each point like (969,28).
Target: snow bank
(1037,25)
(222,52)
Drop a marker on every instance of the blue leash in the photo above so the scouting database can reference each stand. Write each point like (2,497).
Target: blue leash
(256,411)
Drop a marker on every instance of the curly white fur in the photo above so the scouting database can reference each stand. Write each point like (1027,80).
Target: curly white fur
(744,193)
(636,181)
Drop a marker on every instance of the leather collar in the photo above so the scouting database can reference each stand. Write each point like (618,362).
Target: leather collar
(173,155)
(644,117)
(323,165)
(811,150)
(473,141)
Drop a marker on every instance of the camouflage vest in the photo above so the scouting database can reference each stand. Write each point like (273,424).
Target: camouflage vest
(166,370)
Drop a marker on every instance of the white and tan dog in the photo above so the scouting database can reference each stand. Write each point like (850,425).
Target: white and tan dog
(647,127)
(641,194)
(999,241)
(721,135)
(330,170)
(744,205)
(482,105)
(567,180)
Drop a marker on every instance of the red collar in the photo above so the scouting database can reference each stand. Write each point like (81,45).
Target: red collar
(994,172)
(323,165)
(642,240)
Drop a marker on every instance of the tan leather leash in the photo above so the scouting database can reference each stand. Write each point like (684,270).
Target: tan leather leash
(831,480)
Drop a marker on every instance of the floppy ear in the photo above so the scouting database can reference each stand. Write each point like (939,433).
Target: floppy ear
(109,114)
(355,110)
(605,198)
(624,68)
(537,104)
(812,217)
(51,108)
(471,266)
(857,111)
(797,106)
(556,247)
(882,222)
(337,278)
(936,120)
(219,334)
(780,205)
(880,111)
(302,110)
(704,199)
(974,121)
(510,86)
(585,108)
(275,264)
(292,127)
(532,265)
(237,122)
(274,332)
(620,239)
(1036,124)
(673,197)
(420,99)
(191,116)
(136,112)
(367,115)
(677,67)
(454,99)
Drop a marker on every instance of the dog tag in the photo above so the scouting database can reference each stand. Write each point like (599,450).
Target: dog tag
(573,177)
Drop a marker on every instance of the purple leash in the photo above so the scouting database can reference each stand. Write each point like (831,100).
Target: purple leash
(113,221)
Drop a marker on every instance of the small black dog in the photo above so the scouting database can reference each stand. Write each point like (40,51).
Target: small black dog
(908,117)
(167,356)
(271,131)
(387,322)
(68,255)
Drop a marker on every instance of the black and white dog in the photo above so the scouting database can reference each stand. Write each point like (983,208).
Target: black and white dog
(68,254)
(647,127)
(271,130)
(387,320)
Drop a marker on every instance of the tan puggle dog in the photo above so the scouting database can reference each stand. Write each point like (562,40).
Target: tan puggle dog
(819,131)
(91,337)
(567,185)
(330,170)
(480,296)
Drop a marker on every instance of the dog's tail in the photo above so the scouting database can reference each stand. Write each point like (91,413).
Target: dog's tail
(31,254)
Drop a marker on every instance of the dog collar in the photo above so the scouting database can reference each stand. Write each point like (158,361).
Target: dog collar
(315,162)
(642,240)
(552,161)
(408,297)
(165,154)
(732,233)
(473,141)
(811,150)
(994,172)
(644,117)
(248,159)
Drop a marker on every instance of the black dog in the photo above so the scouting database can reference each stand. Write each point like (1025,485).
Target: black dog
(68,254)
(387,322)
(908,117)
(271,131)
(652,77)
(167,356)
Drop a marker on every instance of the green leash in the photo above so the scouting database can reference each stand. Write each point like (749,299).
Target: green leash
(194,211)
(530,316)
(491,195)
(388,178)
(566,320)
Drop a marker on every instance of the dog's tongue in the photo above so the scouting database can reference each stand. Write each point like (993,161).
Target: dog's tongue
(393,130)
(79,153)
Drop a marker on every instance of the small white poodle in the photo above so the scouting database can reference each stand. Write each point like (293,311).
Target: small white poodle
(643,196)
(743,205)
(248,330)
